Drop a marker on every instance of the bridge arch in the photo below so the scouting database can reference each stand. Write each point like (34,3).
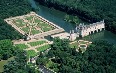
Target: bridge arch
(92,28)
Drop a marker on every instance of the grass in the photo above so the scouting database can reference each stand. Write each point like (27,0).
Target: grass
(3,62)
(37,21)
(34,31)
(43,48)
(21,46)
(37,43)
(45,27)
(20,23)
(25,29)
(83,42)
(83,49)
(29,17)
(42,25)
(74,45)
(31,53)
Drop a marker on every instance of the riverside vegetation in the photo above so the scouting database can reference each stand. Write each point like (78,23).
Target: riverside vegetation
(98,58)
(88,10)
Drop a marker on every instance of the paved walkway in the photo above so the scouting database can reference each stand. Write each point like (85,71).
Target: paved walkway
(33,40)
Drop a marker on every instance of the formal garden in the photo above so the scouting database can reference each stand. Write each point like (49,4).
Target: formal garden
(30,23)
(80,45)
(34,47)
(37,43)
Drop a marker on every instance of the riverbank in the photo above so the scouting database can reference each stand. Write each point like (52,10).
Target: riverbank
(91,14)
(57,17)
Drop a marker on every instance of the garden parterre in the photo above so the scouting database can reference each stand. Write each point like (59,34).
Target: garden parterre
(31,22)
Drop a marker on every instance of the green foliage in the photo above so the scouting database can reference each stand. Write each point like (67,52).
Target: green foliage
(35,31)
(11,67)
(31,53)
(43,48)
(4,62)
(19,64)
(72,19)
(74,45)
(19,22)
(7,49)
(37,43)
(99,57)
(11,8)
(41,60)
(52,65)
(21,58)
(21,46)
(88,10)
(26,29)
(45,27)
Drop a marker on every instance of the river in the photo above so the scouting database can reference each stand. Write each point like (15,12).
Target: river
(57,17)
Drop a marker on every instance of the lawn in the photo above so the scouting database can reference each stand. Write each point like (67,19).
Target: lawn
(19,23)
(37,43)
(34,31)
(25,29)
(21,46)
(45,27)
(3,62)
(37,21)
(82,42)
(74,45)
(31,53)
(43,48)
(25,22)
(28,17)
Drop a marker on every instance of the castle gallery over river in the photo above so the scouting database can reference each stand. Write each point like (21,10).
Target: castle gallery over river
(39,27)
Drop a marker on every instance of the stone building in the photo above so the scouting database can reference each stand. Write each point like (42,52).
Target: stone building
(81,31)
(84,30)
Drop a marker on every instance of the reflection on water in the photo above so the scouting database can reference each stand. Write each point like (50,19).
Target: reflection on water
(104,35)
(57,17)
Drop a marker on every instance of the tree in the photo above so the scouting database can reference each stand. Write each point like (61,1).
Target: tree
(19,64)
(7,49)
(66,18)
(76,20)
(95,59)
(21,58)
(11,8)
(11,67)
(88,10)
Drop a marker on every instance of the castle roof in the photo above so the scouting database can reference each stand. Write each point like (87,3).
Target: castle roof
(82,26)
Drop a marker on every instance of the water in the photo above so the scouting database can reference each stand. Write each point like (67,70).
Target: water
(104,35)
(57,17)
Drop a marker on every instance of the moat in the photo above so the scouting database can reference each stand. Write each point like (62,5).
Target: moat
(57,17)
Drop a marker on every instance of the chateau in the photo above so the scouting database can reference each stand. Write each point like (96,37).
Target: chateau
(84,30)
(81,31)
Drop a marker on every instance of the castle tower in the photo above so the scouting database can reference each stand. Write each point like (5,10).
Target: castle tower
(72,35)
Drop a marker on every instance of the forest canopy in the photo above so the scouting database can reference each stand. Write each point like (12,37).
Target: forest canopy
(7,49)
(98,58)
(11,8)
(89,10)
